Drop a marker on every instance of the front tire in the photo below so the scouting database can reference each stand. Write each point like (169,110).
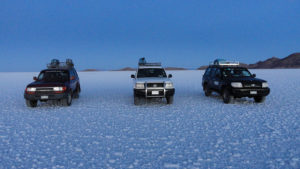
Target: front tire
(137,100)
(259,99)
(68,100)
(31,103)
(170,99)
(227,97)
(207,91)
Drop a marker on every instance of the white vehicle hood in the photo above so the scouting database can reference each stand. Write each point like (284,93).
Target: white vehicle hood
(153,80)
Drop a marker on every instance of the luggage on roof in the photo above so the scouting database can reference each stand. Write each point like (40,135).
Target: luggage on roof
(223,62)
(56,64)
(143,62)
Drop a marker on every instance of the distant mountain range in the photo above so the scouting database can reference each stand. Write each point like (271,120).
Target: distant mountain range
(133,69)
(90,70)
(291,61)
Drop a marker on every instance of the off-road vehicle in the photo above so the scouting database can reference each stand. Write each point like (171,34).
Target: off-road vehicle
(233,81)
(59,82)
(151,81)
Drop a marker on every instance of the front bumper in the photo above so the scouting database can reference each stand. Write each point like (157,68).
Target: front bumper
(41,96)
(250,92)
(148,93)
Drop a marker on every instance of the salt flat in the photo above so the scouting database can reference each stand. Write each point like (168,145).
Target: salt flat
(104,129)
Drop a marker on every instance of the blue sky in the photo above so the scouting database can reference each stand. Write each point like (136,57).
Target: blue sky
(114,34)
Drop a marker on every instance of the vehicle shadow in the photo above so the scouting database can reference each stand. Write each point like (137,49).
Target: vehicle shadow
(218,98)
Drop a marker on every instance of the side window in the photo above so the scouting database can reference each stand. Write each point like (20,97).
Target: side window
(207,72)
(212,72)
(41,76)
(218,72)
(71,73)
(75,73)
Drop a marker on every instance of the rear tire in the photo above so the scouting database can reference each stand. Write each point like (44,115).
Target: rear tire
(227,97)
(207,91)
(68,100)
(259,99)
(170,99)
(31,103)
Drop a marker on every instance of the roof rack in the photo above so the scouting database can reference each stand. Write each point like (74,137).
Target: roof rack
(56,64)
(143,62)
(222,62)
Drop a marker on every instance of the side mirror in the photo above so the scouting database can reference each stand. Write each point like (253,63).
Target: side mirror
(253,75)
(132,76)
(170,76)
(35,78)
(72,78)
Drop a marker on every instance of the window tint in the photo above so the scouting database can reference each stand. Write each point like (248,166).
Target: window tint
(236,72)
(217,72)
(41,76)
(72,73)
(212,72)
(75,73)
(54,76)
(151,72)
(207,72)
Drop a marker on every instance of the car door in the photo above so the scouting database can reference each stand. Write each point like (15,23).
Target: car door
(211,78)
(205,77)
(215,79)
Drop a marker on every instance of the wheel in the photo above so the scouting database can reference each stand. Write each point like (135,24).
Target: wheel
(207,91)
(76,93)
(227,97)
(31,103)
(68,100)
(259,99)
(137,100)
(170,99)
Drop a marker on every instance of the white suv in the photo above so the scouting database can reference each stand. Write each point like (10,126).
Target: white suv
(151,81)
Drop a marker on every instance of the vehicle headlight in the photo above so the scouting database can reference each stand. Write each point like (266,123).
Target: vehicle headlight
(31,89)
(56,89)
(265,84)
(168,85)
(236,84)
(140,85)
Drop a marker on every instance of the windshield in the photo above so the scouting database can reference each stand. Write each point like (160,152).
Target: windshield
(236,72)
(151,72)
(54,76)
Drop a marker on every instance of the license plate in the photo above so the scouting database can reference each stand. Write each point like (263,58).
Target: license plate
(253,92)
(155,92)
(44,97)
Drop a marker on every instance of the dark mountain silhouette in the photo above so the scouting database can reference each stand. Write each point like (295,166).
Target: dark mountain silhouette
(291,61)
(127,69)
(90,70)
(175,68)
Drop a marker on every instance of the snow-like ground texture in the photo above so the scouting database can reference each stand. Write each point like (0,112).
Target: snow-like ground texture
(103,129)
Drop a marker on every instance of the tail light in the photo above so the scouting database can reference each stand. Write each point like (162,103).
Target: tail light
(59,89)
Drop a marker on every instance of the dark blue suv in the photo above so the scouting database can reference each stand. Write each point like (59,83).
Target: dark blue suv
(233,81)
(59,82)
